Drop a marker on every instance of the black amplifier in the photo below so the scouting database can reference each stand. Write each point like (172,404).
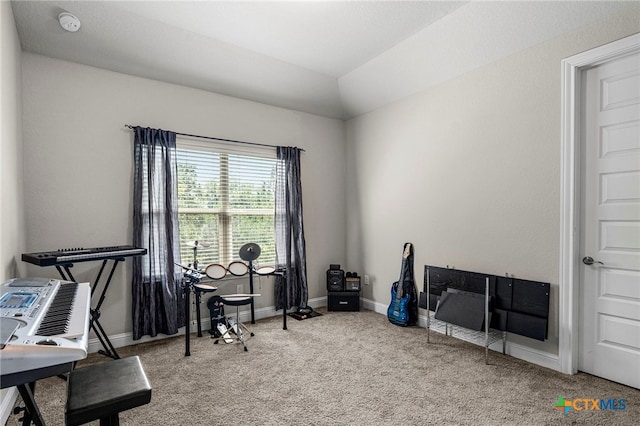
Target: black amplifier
(343,301)
(352,284)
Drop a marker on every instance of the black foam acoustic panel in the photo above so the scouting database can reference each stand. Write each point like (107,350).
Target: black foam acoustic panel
(504,287)
(516,305)
(527,325)
(499,319)
(463,309)
(531,297)
(422,300)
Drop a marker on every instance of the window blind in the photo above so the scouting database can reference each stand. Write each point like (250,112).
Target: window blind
(225,200)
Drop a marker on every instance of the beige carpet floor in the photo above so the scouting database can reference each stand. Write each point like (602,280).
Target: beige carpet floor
(348,368)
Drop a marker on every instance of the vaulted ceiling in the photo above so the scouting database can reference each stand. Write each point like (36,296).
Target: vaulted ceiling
(338,59)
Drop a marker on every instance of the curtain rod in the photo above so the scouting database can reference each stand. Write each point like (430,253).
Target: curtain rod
(219,139)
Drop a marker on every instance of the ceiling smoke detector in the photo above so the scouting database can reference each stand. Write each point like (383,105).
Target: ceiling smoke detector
(69,22)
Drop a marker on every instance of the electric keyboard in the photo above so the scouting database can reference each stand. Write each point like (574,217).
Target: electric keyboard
(44,324)
(72,255)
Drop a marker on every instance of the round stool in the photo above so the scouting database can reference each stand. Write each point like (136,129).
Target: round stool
(238,328)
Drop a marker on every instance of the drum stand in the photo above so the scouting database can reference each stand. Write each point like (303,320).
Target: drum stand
(196,245)
(190,283)
(248,252)
(187,284)
(192,277)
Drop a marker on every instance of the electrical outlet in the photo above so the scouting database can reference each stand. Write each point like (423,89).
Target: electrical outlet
(239,289)
(366,280)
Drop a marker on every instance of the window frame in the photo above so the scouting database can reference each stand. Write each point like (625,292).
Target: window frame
(224,213)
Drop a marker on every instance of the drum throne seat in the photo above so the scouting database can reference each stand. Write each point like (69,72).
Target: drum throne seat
(236,326)
(248,252)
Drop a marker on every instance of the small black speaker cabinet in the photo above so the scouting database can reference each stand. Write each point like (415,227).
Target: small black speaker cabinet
(343,301)
(335,280)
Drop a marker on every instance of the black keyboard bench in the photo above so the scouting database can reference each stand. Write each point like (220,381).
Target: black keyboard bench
(103,390)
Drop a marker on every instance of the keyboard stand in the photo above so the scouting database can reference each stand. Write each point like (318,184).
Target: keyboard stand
(25,382)
(31,411)
(94,322)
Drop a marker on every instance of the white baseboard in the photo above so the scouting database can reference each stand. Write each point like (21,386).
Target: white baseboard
(374,306)
(7,401)
(534,356)
(525,353)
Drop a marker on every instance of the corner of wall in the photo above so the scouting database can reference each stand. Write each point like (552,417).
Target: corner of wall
(12,227)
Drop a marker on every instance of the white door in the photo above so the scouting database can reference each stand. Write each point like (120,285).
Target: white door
(610,234)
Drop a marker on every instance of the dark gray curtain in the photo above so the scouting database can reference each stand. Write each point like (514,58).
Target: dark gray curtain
(290,244)
(157,294)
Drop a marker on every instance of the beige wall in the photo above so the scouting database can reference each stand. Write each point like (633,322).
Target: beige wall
(12,226)
(469,171)
(78,187)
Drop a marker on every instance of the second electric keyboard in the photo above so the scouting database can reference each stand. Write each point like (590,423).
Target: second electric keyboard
(66,256)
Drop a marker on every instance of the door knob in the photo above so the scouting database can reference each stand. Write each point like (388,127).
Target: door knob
(588,260)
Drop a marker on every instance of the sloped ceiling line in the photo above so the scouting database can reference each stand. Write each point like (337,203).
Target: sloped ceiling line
(334,59)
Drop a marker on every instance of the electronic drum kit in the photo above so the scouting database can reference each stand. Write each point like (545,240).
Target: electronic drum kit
(215,271)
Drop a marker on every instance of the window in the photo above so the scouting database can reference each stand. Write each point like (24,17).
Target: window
(225,199)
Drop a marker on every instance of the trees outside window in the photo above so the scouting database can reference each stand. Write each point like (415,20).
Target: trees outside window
(226,199)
